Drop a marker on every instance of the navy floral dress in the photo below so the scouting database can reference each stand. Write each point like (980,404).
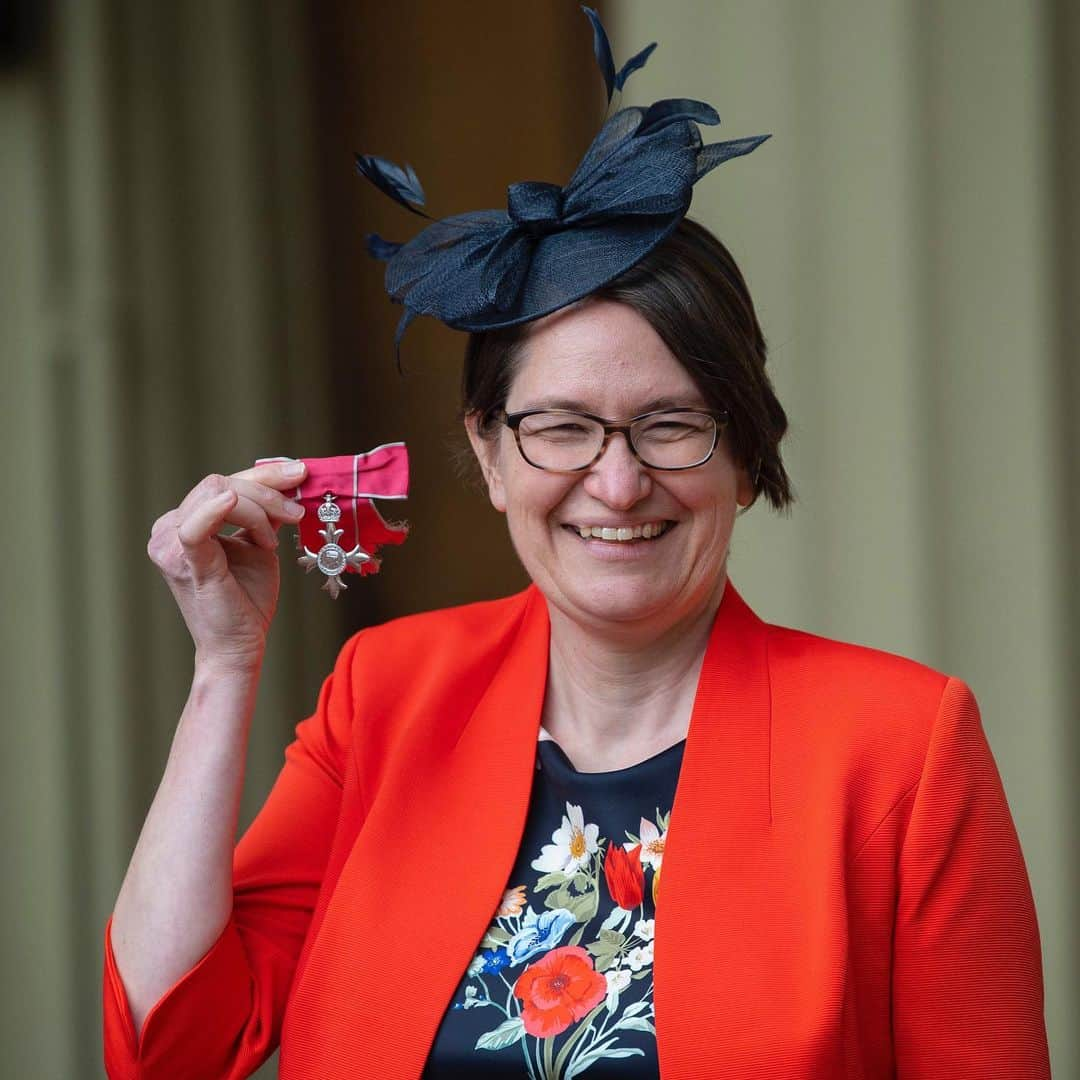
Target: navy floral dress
(561,984)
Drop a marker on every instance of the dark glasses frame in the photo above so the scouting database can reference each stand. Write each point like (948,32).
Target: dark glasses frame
(720,417)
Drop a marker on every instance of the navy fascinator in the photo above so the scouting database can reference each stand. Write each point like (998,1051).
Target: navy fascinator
(553,245)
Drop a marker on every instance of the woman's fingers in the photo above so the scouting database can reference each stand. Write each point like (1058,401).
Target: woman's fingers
(194,529)
(275,474)
(276,507)
(251,500)
(207,517)
(274,503)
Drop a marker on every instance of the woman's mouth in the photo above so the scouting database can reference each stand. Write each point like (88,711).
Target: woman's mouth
(622,534)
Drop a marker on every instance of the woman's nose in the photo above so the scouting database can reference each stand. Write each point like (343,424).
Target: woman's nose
(617,478)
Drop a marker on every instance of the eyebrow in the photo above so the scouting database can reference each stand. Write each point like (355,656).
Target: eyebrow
(695,402)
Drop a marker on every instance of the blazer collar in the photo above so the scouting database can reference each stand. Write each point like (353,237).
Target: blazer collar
(431,861)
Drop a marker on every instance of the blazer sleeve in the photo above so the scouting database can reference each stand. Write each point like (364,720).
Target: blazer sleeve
(222,1018)
(967,974)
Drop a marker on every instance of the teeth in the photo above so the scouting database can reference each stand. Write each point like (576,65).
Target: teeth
(648,531)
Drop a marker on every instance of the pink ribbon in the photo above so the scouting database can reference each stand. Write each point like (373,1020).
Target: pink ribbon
(354,480)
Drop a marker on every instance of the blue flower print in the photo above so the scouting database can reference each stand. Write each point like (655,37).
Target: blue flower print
(494,960)
(539,933)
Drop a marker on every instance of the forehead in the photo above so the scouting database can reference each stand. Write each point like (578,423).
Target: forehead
(600,356)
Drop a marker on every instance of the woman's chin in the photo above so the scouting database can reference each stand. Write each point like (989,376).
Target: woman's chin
(619,601)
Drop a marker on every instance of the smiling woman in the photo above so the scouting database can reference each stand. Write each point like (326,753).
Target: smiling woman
(607,358)
(614,825)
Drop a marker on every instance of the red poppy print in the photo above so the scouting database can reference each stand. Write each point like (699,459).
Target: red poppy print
(559,989)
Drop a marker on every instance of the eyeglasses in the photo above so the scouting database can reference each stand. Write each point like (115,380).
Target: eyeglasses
(560,440)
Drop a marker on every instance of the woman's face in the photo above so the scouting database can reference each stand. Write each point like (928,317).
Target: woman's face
(602,357)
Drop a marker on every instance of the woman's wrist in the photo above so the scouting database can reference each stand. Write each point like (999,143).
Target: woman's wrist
(235,667)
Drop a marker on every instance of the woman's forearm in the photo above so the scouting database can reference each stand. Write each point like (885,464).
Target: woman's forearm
(176,897)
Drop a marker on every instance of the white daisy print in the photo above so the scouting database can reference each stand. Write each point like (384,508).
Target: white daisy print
(573,844)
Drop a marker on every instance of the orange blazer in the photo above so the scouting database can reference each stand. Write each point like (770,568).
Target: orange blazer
(843,896)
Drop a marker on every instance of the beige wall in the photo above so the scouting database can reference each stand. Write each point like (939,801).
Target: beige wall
(910,236)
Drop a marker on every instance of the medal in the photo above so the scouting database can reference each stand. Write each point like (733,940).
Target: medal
(342,529)
(332,559)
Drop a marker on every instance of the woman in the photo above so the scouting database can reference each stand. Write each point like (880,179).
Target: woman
(839,891)
(614,825)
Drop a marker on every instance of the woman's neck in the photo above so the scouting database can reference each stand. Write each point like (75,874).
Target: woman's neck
(613,702)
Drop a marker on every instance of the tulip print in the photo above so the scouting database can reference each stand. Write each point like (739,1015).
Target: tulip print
(624,875)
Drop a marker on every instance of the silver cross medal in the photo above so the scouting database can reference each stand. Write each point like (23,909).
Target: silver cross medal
(332,559)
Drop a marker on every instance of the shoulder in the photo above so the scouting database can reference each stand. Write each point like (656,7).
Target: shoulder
(864,710)
(414,681)
(432,662)
(474,628)
(850,671)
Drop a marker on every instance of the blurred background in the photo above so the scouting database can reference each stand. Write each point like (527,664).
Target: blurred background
(184,288)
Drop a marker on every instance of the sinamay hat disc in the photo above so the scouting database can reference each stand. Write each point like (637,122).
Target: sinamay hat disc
(552,246)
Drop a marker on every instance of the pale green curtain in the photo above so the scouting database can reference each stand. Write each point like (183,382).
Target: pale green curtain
(159,310)
(910,237)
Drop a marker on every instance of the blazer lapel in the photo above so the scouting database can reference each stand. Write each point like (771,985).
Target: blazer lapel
(425,876)
(717,842)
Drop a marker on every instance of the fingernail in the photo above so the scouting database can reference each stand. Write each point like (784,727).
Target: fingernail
(294,509)
(293,468)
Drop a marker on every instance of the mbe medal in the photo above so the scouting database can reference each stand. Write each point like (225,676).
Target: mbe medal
(332,559)
(341,529)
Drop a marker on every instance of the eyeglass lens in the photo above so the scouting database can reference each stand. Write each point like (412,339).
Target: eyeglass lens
(561,441)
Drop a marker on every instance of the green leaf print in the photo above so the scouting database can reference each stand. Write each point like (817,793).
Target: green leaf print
(602,1051)
(506,1034)
(549,881)
(583,908)
(635,1023)
(494,937)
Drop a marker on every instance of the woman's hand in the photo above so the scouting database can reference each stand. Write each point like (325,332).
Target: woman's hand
(227,586)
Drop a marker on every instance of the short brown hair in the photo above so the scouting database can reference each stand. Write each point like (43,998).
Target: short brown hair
(693,295)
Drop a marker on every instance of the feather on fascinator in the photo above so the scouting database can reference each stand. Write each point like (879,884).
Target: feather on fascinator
(553,245)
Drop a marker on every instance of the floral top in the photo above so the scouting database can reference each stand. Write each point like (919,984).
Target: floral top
(561,983)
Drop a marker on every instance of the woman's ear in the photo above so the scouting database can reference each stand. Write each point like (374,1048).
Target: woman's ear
(487,454)
(744,487)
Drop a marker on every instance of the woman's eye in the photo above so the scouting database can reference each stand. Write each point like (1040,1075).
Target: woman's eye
(567,428)
(564,431)
(667,429)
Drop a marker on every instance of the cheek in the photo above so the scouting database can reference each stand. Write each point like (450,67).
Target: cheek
(708,497)
(712,514)
(533,497)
